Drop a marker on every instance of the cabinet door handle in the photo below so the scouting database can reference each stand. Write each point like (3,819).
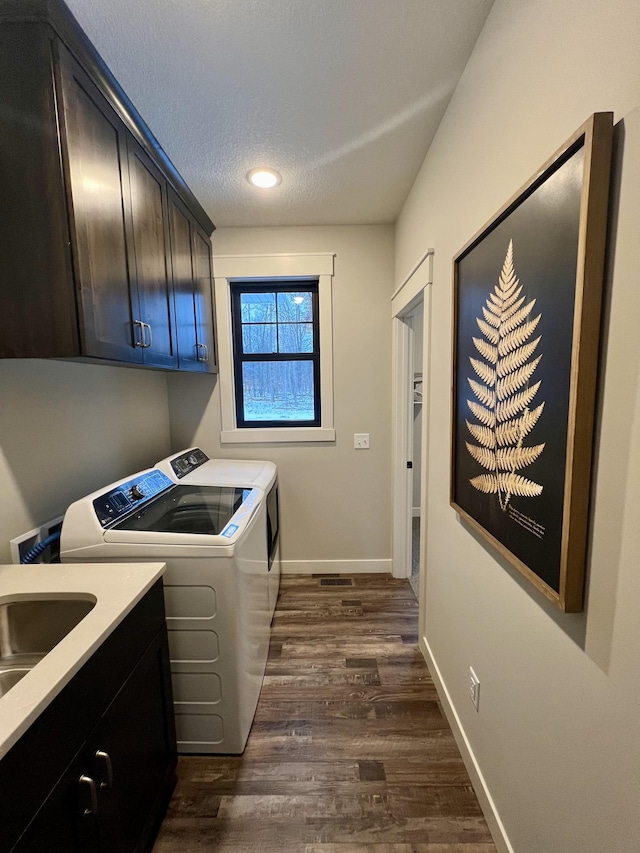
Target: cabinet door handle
(105,759)
(205,349)
(93,794)
(145,341)
(138,343)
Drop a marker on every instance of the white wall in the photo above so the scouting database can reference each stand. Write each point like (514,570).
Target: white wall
(335,502)
(68,429)
(557,735)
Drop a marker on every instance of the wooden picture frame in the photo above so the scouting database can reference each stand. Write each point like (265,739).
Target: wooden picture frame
(527,294)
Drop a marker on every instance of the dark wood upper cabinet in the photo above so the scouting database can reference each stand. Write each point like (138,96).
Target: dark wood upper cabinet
(192,281)
(155,320)
(182,273)
(95,146)
(87,266)
(205,320)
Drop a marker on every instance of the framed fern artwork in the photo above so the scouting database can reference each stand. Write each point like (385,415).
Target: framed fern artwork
(526,325)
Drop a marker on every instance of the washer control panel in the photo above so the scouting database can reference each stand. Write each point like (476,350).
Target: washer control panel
(188,462)
(117,502)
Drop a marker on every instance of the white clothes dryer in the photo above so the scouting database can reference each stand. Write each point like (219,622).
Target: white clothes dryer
(194,463)
(213,540)
(194,466)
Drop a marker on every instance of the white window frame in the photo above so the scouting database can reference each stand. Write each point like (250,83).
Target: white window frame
(265,268)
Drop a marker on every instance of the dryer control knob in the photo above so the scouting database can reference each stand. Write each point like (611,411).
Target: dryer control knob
(193,459)
(136,493)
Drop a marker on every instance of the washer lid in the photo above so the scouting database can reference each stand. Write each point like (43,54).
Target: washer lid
(194,466)
(189,509)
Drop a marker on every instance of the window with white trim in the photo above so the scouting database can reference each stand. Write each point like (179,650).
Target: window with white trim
(274,315)
(276,353)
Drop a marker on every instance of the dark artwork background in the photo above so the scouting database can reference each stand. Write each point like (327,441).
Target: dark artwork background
(544,229)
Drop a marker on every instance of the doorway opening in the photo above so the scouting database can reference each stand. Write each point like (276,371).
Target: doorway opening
(411,317)
(416,322)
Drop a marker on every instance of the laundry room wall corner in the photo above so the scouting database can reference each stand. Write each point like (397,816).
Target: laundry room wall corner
(67,429)
(335,501)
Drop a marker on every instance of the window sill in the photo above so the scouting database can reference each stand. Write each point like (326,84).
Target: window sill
(281,434)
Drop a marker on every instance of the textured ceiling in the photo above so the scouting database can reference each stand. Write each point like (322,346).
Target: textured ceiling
(342,97)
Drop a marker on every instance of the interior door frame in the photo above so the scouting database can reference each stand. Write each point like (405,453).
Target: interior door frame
(415,288)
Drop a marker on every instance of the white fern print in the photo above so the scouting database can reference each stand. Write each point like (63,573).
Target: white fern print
(504,395)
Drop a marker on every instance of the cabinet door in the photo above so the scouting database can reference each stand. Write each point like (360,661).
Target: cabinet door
(151,253)
(181,232)
(132,752)
(205,328)
(94,145)
(68,820)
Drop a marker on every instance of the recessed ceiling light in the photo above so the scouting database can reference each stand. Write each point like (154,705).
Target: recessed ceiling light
(264,178)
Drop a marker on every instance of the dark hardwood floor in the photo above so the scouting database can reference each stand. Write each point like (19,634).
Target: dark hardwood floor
(349,751)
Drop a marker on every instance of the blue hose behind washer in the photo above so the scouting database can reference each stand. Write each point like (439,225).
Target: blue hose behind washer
(32,555)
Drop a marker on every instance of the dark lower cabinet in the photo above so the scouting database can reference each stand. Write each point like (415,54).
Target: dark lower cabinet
(89,266)
(129,752)
(58,826)
(111,793)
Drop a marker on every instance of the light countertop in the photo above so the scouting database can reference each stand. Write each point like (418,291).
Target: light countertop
(116,587)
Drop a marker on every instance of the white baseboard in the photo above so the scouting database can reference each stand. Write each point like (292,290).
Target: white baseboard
(496,827)
(330,567)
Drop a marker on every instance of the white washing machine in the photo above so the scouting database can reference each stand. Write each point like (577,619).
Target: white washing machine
(194,466)
(214,542)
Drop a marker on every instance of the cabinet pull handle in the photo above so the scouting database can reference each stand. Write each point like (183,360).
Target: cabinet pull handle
(91,785)
(105,758)
(138,343)
(144,341)
(205,350)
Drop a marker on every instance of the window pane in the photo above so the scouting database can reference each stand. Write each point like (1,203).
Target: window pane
(295,337)
(259,338)
(295,307)
(278,391)
(258,307)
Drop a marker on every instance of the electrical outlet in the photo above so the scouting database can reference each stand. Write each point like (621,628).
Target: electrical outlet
(361,441)
(474,688)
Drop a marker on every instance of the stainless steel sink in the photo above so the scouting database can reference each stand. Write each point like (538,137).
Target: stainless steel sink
(30,628)
(10,677)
